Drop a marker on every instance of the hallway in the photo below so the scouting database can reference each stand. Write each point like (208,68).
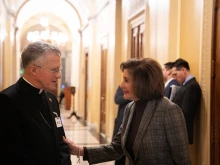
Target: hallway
(80,134)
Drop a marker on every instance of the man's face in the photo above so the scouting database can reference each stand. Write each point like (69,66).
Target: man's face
(48,71)
(179,74)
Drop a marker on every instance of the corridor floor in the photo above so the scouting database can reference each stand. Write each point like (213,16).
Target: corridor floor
(79,134)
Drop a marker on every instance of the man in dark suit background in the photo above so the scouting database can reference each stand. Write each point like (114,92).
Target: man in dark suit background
(189,95)
(168,79)
(32,129)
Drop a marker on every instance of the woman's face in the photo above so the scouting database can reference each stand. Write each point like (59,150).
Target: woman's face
(127,86)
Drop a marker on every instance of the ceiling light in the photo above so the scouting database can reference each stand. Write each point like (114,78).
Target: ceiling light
(44,21)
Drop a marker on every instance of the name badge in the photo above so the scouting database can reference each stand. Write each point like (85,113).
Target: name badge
(58,122)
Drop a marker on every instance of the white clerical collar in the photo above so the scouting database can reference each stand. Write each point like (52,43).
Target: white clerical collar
(41,90)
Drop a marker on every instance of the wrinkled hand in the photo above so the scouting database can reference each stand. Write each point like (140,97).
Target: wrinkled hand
(72,146)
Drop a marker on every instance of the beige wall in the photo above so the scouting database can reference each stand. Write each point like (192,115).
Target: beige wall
(190,33)
(190,39)
(8,60)
(203,122)
(101,31)
(174,30)
(1,48)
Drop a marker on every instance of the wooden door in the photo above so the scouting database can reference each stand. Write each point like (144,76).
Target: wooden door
(141,41)
(67,93)
(134,42)
(215,90)
(103,91)
(137,41)
(86,86)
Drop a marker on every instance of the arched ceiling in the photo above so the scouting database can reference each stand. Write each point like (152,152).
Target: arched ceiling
(59,8)
(33,24)
(66,16)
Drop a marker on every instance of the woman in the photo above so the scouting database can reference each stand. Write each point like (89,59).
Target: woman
(153,131)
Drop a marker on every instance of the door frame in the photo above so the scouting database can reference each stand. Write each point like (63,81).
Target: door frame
(103,83)
(86,63)
(103,90)
(215,88)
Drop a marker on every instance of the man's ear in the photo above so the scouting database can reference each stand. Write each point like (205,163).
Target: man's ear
(33,69)
(169,72)
(183,69)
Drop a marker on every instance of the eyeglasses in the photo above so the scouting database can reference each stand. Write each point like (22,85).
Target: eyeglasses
(53,71)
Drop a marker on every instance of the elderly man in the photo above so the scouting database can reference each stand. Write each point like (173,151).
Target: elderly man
(32,129)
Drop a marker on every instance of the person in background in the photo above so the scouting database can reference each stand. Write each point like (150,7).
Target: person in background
(168,79)
(188,96)
(153,130)
(121,102)
(31,127)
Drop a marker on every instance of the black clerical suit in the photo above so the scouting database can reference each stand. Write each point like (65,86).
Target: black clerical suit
(30,134)
(189,98)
